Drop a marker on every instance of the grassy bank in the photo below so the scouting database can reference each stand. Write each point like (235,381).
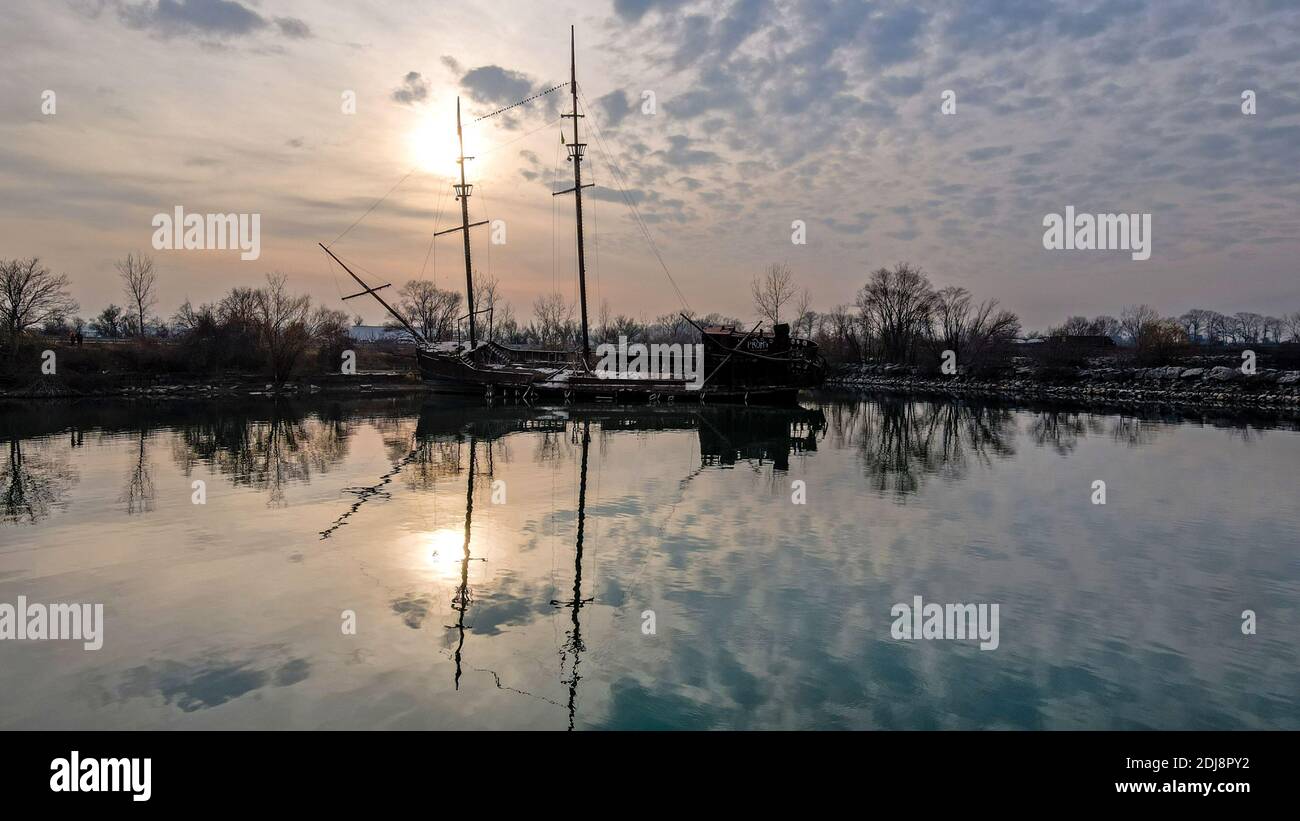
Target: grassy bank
(160,367)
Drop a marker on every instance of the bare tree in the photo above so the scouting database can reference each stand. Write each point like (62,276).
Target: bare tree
(433,310)
(239,309)
(951,312)
(487,300)
(897,303)
(109,322)
(1273,329)
(1249,326)
(138,283)
(1293,325)
(1159,339)
(282,325)
(603,323)
(772,289)
(553,318)
(1218,327)
(1073,326)
(30,295)
(972,331)
(804,316)
(845,327)
(1196,323)
(504,327)
(188,318)
(328,323)
(1134,318)
(1105,325)
(669,328)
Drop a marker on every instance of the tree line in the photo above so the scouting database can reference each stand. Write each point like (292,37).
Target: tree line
(896,316)
(249,328)
(1198,325)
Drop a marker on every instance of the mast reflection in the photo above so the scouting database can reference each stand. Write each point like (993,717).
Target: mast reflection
(573,645)
(462,599)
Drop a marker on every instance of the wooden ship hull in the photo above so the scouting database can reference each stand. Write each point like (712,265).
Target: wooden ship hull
(731,373)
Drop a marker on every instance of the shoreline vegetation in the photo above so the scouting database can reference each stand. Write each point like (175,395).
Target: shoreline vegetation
(899,335)
(1219,387)
(149,370)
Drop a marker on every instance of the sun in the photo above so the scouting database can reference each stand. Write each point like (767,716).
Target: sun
(433,148)
(443,551)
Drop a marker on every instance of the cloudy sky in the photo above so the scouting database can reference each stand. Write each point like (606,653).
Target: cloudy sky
(764,113)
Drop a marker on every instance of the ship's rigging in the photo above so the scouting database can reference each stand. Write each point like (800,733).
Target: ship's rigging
(576,149)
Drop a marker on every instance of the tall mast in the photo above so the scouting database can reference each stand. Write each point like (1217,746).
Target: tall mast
(463,191)
(462,194)
(374,292)
(576,150)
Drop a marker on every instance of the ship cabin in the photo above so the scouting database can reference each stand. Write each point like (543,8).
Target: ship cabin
(761,357)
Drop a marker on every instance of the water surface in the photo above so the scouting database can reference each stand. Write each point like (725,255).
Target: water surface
(584,524)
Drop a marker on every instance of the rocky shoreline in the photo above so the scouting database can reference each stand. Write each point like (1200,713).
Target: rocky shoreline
(1218,387)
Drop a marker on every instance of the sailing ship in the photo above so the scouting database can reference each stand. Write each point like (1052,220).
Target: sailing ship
(761,366)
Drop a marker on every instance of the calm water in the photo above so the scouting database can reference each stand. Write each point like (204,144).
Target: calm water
(767,614)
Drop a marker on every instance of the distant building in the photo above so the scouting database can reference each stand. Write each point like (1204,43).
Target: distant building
(375,333)
(1081,340)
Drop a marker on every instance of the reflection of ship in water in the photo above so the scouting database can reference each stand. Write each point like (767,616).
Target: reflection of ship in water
(727,436)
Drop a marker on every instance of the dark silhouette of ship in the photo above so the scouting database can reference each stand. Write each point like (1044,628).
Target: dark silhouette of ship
(759,366)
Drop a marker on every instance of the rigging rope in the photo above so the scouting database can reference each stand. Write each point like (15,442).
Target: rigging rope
(522,102)
(486,212)
(415,168)
(436,220)
(555,253)
(620,181)
(520,137)
(595,248)
(373,207)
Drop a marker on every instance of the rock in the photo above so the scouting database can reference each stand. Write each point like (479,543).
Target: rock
(1223,374)
(1192,373)
(1289,378)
